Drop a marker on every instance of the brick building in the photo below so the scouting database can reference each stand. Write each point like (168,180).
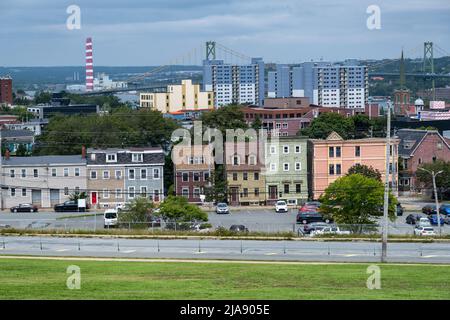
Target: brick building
(6,96)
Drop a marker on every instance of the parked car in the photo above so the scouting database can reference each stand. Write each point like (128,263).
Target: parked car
(445,209)
(424,231)
(281,206)
(429,209)
(25,207)
(222,208)
(310,206)
(413,218)
(69,205)
(329,230)
(311,216)
(311,227)
(434,219)
(110,218)
(423,222)
(238,228)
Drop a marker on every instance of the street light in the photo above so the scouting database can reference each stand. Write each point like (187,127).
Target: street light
(433,175)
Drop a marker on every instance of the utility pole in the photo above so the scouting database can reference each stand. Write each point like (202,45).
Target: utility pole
(438,215)
(386,187)
(1,172)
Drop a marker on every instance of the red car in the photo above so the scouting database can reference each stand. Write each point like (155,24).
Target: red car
(310,207)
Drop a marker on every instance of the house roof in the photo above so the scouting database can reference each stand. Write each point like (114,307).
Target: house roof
(17,133)
(410,139)
(43,160)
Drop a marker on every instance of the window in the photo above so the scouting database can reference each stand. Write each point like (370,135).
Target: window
(331,169)
(12,173)
(35,173)
(331,152)
(273,150)
(298,149)
(118,174)
(131,174)
(285,149)
(338,152)
(105,193)
(143,191)
(298,166)
(235,176)
(66,191)
(111,157)
(24,192)
(252,160)
(185,192)
(206,176)
(273,167)
(13,192)
(245,192)
(357,151)
(298,188)
(196,176)
(131,192)
(286,166)
(143,174)
(24,173)
(185,176)
(66,172)
(93,157)
(338,169)
(256,176)
(93,174)
(197,192)
(77,172)
(77,189)
(286,188)
(156,173)
(245,176)
(53,172)
(118,193)
(236,160)
(106,174)
(256,192)
(136,157)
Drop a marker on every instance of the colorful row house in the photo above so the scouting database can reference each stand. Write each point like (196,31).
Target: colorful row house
(117,176)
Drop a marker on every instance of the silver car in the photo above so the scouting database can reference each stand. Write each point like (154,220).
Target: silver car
(222,208)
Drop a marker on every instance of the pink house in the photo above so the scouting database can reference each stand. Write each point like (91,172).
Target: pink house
(331,158)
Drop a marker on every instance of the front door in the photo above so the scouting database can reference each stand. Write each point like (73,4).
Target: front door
(234,196)
(273,194)
(94,198)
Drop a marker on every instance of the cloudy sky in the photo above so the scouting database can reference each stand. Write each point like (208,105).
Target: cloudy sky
(152,32)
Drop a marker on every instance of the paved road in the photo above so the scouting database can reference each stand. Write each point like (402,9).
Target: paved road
(226,249)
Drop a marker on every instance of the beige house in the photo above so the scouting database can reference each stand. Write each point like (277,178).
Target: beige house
(43,181)
(184,97)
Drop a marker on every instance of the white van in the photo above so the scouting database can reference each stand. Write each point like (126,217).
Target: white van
(110,217)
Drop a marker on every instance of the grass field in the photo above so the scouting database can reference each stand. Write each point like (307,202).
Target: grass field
(46,279)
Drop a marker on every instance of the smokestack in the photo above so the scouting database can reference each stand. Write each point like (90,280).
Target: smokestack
(89,66)
(7,154)
(83,152)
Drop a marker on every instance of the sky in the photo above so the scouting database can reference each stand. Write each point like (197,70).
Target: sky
(155,32)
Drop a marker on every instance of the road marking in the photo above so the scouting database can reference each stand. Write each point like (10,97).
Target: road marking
(129,251)
(196,252)
(271,253)
(62,250)
(351,255)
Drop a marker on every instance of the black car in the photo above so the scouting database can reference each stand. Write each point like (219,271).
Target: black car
(429,209)
(413,218)
(25,207)
(399,210)
(67,206)
(311,216)
(238,228)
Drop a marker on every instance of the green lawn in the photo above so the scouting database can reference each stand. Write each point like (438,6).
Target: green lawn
(46,279)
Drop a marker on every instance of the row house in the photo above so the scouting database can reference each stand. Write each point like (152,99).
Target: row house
(331,158)
(245,170)
(286,170)
(41,180)
(117,176)
(193,167)
(416,148)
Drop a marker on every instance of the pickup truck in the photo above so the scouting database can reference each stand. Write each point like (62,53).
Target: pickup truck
(329,230)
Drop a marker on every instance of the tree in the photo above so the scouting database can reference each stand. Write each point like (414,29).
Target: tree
(22,151)
(216,191)
(42,97)
(139,210)
(356,200)
(75,196)
(226,117)
(257,123)
(328,122)
(178,209)
(367,171)
(442,179)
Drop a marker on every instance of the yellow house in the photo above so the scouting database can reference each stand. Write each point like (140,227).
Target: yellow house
(183,97)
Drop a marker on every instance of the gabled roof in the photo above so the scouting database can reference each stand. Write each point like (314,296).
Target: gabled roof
(410,139)
(44,160)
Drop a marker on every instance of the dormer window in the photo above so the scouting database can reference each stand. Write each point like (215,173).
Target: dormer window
(93,156)
(137,157)
(111,157)
(236,160)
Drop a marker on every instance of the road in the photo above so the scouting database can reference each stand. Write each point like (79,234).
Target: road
(225,249)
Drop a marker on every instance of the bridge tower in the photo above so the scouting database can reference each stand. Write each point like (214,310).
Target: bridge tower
(428,64)
(210,50)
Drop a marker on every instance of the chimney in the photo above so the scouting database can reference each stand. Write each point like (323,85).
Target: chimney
(7,154)
(83,152)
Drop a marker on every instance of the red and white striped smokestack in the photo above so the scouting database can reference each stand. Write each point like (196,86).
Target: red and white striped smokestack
(89,66)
